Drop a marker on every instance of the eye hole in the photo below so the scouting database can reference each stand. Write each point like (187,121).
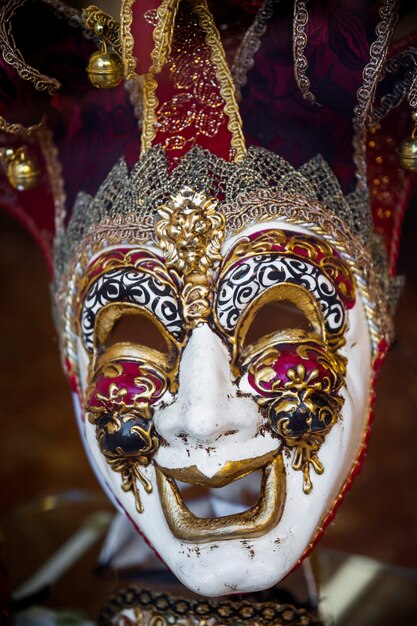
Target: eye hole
(137,329)
(276,317)
(127,324)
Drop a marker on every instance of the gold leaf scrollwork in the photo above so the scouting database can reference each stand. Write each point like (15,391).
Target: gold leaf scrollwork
(115,413)
(127,41)
(129,465)
(306,395)
(190,234)
(190,231)
(131,473)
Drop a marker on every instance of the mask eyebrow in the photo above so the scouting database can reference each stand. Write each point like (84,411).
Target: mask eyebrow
(249,280)
(275,258)
(138,279)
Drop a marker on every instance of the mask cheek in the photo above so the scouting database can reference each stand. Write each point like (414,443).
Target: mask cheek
(298,387)
(119,404)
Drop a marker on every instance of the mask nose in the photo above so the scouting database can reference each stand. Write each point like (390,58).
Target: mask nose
(207,405)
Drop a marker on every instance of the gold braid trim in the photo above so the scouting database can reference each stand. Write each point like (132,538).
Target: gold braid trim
(299,43)
(27,132)
(244,58)
(150,104)
(127,41)
(56,181)
(144,607)
(163,33)
(227,88)
(372,73)
(12,55)
(373,70)
(412,94)
(92,15)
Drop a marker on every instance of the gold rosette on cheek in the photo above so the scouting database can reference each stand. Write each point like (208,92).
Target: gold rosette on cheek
(301,399)
(296,371)
(313,399)
(119,405)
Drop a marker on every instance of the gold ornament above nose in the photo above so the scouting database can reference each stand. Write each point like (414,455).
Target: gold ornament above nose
(22,171)
(190,234)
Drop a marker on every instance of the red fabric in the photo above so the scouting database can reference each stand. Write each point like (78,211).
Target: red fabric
(191,107)
(91,128)
(135,378)
(390,186)
(276,116)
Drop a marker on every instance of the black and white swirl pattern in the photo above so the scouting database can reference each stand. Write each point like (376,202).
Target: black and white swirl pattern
(248,280)
(130,285)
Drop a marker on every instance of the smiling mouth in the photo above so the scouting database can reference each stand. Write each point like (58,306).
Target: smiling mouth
(254,522)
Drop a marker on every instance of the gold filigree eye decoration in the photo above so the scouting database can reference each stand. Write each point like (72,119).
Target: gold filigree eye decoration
(190,234)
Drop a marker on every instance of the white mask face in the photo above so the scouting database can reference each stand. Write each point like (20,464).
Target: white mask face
(246,367)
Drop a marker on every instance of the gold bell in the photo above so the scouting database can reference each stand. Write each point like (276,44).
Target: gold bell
(104,69)
(408,149)
(22,172)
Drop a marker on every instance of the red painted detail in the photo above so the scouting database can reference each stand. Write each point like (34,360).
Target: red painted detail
(123,257)
(390,186)
(117,258)
(72,379)
(288,358)
(125,390)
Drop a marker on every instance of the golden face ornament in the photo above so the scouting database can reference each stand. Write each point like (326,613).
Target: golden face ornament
(235,366)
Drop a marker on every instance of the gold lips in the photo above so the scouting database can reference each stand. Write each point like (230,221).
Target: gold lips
(254,522)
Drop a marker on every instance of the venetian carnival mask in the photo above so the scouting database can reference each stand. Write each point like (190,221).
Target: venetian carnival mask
(206,359)
(221,333)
